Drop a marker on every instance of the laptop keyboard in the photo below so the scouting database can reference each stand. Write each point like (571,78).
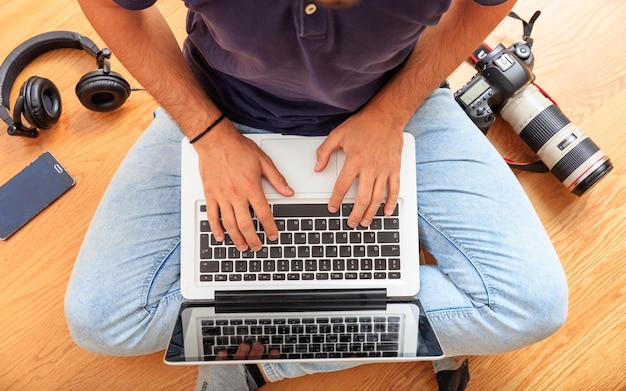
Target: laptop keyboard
(313,244)
(305,337)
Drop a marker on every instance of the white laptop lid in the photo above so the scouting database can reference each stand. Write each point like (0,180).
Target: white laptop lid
(295,158)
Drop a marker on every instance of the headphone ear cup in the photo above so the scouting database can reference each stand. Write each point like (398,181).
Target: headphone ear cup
(99,91)
(42,102)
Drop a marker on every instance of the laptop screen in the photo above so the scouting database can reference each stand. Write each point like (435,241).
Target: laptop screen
(396,331)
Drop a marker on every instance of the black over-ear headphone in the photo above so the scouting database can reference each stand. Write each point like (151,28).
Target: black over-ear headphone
(39,100)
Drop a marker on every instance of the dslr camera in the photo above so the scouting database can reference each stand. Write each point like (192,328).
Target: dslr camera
(504,85)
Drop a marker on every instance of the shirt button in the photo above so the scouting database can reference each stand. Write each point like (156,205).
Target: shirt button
(310,9)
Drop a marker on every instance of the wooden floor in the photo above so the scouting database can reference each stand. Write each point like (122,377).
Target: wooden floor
(580,47)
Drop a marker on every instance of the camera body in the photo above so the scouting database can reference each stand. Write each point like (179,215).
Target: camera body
(504,85)
(502,72)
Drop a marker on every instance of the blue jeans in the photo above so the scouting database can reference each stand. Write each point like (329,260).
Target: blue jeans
(498,284)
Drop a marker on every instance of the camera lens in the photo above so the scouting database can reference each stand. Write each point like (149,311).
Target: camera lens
(571,156)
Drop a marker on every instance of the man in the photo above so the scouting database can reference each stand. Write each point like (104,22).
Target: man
(361,72)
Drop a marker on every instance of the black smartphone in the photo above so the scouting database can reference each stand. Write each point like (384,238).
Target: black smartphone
(30,191)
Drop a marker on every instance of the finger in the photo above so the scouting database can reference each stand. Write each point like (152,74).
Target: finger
(229,222)
(393,190)
(213,216)
(362,203)
(345,179)
(256,353)
(242,351)
(325,150)
(275,178)
(274,353)
(221,355)
(259,201)
(264,215)
(378,194)
(246,226)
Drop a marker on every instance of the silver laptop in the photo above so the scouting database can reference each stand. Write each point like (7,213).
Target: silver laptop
(322,291)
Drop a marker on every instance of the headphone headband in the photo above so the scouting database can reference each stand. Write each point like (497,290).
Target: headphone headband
(31,49)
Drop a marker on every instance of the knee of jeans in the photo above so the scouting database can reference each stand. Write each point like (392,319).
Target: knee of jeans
(99,326)
(536,310)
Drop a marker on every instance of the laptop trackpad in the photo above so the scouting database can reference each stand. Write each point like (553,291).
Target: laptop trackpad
(295,158)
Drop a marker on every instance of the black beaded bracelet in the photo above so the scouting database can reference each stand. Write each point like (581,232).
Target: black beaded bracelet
(214,124)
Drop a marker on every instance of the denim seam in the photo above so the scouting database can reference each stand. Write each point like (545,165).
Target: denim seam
(466,312)
(490,300)
(149,282)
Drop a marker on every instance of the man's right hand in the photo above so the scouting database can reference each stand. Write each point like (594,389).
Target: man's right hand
(231,167)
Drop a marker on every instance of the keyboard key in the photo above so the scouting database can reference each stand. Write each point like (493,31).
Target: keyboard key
(328,238)
(394,264)
(338,264)
(334,224)
(388,237)
(297,265)
(380,264)
(341,237)
(377,224)
(391,223)
(293,225)
(353,264)
(286,238)
(204,226)
(366,264)
(302,210)
(276,252)
(390,250)
(282,265)
(219,252)
(269,265)
(310,265)
(255,266)
(209,267)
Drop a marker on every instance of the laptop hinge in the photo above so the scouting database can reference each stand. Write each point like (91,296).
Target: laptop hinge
(300,300)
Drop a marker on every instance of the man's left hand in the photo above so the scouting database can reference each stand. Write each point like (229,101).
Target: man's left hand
(372,142)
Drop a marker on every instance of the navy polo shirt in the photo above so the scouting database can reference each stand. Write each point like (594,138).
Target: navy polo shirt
(293,66)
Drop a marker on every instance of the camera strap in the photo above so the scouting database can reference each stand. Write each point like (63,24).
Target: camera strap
(528,26)
(536,166)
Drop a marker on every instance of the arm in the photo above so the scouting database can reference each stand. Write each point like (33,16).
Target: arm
(231,166)
(372,138)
